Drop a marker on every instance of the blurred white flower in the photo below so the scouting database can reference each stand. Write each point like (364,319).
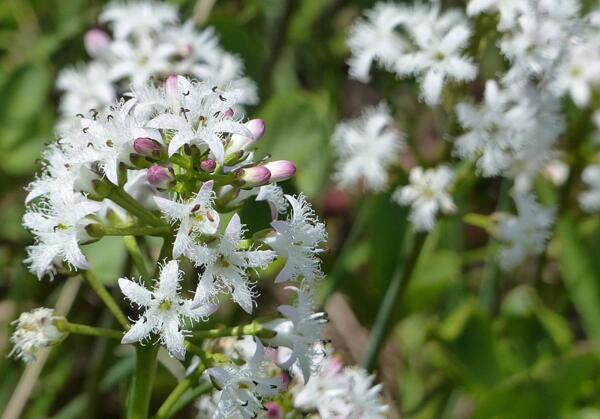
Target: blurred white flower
(85,88)
(525,233)
(164,310)
(366,148)
(427,194)
(590,198)
(138,18)
(35,329)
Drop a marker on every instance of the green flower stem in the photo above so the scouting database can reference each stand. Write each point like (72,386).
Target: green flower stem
(252,329)
(143,380)
(190,396)
(166,253)
(98,230)
(390,301)
(137,257)
(126,201)
(82,329)
(105,296)
(166,409)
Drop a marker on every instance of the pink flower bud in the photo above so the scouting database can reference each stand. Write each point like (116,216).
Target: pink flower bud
(171,85)
(146,146)
(241,142)
(228,113)
(208,165)
(273,410)
(281,170)
(254,176)
(159,176)
(96,42)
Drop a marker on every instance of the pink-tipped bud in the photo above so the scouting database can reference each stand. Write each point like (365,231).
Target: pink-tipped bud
(171,85)
(146,146)
(256,127)
(281,170)
(228,113)
(96,42)
(253,176)
(208,165)
(273,410)
(160,176)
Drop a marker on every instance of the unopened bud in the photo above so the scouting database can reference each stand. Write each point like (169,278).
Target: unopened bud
(160,176)
(147,146)
(208,165)
(94,230)
(96,42)
(238,142)
(273,410)
(281,170)
(171,85)
(253,176)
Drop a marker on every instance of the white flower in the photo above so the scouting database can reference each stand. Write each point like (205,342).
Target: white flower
(509,10)
(58,223)
(526,233)
(85,88)
(164,310)
(496,130)
(196,112)
(272,194)
(138,18)
(340,392)
(427,194)
(366,148)
(439,40)
(141,60)
(300,331)
(590,198)
(298,240)
(243,387)
(225,265)
(35,330)
(375,39)
(196,218)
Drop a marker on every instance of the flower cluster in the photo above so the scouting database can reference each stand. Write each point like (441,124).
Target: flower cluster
(34,330)
(145,40)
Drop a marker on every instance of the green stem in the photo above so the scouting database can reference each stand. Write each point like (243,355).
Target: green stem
(392,296)
(252,329)
(126,201)
(166,252)
(492,271)
(83,329)
(143,380)
(190,396)
(98,230)
(184,385)
(105,296)
(136,255)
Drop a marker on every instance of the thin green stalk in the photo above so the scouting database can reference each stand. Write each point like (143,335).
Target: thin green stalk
(492,271)
(97,230)
(83,329)
(137,257)
(252,329)
(143,380)
(105,296)
(391,299)
(126,201)
(190,396)
(165,410)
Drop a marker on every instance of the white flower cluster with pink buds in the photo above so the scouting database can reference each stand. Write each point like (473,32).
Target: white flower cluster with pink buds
(145,41)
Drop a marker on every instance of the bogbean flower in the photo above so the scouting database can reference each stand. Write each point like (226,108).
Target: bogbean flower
(366,148)
(427,194)
(525,233)
(298,240)
(35,330)
(164,310)
(226,264)
(243,387)
(508,10)
(422,41)
(299,331)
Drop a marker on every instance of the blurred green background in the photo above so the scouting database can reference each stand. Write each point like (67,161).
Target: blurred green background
(529,353)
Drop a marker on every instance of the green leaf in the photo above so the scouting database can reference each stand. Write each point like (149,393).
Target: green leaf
(106,258)
(580,278)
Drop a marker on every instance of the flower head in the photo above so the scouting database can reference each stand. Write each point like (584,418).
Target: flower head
(35,330)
